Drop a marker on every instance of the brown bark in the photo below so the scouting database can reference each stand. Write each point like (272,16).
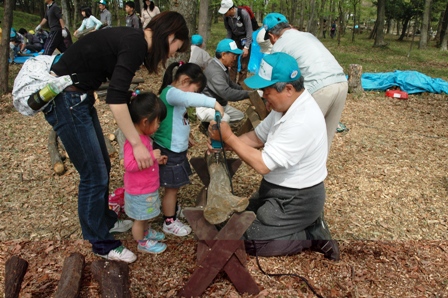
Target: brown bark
(55,157)
(110,148)
(120,139)
(354,80)
(113,278)
(15,269)
(4,48)
(70,282)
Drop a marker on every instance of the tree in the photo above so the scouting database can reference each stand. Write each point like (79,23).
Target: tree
(443,31)
(425,25)
(379,33)
(205,20)
(188,9)
(4,50)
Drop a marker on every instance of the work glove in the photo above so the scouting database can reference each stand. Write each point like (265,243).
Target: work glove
(37,28)
(64,33)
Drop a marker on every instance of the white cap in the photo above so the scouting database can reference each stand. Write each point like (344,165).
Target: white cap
(265,45)
(225,6)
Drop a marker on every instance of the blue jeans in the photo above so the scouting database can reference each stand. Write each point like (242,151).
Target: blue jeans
(77,125)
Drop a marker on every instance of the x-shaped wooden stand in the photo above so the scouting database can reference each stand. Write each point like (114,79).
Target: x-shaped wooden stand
(218,250)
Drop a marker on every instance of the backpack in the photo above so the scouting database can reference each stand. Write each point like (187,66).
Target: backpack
(251,15)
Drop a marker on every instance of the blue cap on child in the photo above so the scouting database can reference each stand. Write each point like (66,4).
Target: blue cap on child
(197,40)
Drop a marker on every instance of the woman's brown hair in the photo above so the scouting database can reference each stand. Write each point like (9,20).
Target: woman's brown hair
(162,26)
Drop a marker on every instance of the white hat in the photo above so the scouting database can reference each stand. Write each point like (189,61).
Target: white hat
(225,6)
(265,45)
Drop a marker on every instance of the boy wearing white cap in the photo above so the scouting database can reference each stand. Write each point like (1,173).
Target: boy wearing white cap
(220,86)
(290,200)
(239,28)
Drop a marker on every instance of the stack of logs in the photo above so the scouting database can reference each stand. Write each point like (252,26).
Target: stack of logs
(112,277)
(53,141)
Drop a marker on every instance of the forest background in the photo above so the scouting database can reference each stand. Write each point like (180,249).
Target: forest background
(387,186)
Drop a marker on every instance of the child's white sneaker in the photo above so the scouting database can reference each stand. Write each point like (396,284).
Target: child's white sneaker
(120,253)
(176,227)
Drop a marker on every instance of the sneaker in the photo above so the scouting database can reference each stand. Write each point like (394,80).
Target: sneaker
(176,227)
(120,253)
(151,234)
(151,246)
(121,226)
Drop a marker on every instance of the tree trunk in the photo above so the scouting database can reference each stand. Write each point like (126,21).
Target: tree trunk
(15,269)
(70,281)
(379,38)
(4,49)
(311,27)
(423,43)
(113,278)
(403,30)
(205,20)
(443,31)
(188,9)
(66,13)
(354,80)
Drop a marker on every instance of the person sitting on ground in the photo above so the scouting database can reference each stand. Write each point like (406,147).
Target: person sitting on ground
(16,44)
(33,43)
(289,203)
(198,55)
(220,86)
(105,15)
(89,22)
(324,77)
(149,11)
(141,197)
(132,20)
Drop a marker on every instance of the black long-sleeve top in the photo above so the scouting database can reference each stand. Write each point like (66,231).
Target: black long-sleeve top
(114,54)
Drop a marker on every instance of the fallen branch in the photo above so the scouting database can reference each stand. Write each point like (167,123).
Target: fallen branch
(55,157)
(70,282)
(15,269)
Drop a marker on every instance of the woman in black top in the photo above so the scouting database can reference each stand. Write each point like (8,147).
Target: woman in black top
(115,55)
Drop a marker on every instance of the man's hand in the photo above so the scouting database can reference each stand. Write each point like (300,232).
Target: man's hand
(226,132)
(37,28)
(64,33)
(245,52)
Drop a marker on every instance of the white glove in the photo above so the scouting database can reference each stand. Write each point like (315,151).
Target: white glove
(37,28)
(64,33)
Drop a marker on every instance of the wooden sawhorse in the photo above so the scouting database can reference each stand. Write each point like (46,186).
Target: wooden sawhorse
(217,251)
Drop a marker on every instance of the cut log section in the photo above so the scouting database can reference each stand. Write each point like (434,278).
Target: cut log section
(15,269)
(110,148)
(354,79)
(55,157)
(70,282)
(113,278)
(119,136)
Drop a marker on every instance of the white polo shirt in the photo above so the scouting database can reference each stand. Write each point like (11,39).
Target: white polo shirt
(295,148)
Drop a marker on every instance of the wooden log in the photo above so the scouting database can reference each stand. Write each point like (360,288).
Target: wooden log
(113,278)
(120,139)
(15,269)
(55,157)
(253,116)
(354,80)
(70,282)
(137,81)
(110,148)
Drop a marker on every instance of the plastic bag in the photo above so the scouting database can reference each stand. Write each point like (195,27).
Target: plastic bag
(116,201)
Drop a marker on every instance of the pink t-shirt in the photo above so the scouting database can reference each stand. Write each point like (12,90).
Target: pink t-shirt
(138,182)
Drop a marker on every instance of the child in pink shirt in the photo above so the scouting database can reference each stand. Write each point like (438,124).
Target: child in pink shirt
(142,200)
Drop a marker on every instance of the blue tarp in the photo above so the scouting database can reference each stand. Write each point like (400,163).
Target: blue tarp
(408,81)
(22,59)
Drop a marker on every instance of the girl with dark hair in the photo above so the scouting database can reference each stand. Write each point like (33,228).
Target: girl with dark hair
(89,22)
(115,55)
(172,137)
(149,11)
(141,197)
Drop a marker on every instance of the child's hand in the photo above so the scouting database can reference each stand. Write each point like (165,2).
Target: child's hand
(162,160)
(157,153)
(191,141)
(219,108)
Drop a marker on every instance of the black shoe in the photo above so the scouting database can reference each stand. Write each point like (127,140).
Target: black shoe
(330,248)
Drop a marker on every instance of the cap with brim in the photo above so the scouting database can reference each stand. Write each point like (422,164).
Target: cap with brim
(274,68)
(228,46)
(225,6)
(197,40)
(102,2)
(271,20)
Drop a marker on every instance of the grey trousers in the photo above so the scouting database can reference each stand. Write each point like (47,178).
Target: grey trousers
(283,214)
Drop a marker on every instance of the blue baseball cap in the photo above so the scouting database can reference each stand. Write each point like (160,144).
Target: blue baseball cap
(102,2)
(197,40)
(228,45)
(274,68)
(271,20)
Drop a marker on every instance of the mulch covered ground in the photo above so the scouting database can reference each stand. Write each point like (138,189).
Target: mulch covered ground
(387,190)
